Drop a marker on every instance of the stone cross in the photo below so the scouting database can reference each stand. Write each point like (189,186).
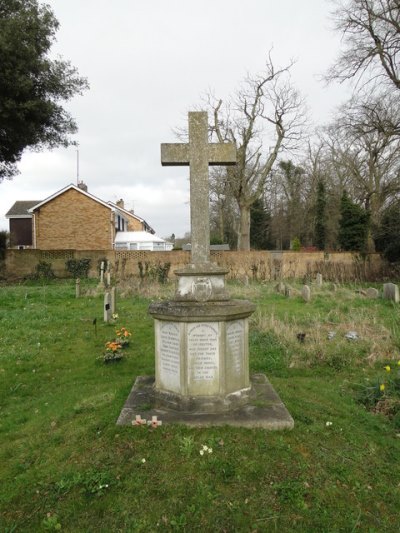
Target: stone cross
(198,154)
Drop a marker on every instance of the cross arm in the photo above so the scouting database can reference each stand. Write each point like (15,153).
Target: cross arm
(175,154)
(221,154)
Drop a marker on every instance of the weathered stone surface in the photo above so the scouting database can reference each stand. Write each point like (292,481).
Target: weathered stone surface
(263,408)
(280,288)
(373,293)
(201,283)
(173,310)
(107,307)
(319,280)
(202,360)
(391,292)
(288,291)
(199,154)
(306,293)
(113,302)
(77,287)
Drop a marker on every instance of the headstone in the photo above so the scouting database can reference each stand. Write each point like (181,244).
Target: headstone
(288,291)
(280,288)
(373,293)
(319,280)
(77,287)
(201,335)
(102,273)
(107,307)
(306,293)
(391,292)
(108,274)
(113,303)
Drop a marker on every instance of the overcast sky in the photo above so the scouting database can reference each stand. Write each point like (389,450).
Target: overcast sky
(148,64)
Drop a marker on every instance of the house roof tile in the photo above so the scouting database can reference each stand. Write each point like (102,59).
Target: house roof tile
(21,207)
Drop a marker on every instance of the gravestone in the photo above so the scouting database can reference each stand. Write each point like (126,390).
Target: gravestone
(373,293)
(280,288)
(102,273)
(319,280)
(306,293)
(77,288)
(391,292)
(107,306)
(113,302)
(288,291)
(201,335)
(108,274)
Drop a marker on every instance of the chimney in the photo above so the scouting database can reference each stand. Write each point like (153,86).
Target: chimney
(121,204)
(82,186)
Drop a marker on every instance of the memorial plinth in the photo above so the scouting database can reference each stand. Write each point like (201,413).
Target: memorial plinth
(202,336)
(202,354)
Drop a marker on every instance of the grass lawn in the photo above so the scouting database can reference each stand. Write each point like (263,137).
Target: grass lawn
(65,465)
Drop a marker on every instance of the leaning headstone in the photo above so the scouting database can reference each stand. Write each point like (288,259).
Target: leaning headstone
(306,293)
(391,292)
(371,292)
(77,287)
(107,307)
(113,294)
(319,280)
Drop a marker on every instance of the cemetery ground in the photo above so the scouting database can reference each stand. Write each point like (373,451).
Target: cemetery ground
(65,465)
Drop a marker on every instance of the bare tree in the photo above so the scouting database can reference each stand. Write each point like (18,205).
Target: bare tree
(366,159)
(266,111)
(223,209)
(371,36)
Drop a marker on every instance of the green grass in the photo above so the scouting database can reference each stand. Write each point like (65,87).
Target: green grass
(65,464)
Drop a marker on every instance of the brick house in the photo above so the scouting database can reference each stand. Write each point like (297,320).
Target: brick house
(74,219)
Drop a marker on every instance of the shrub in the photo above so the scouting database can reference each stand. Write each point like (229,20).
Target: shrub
(78,268)
(155,272)
(43,270)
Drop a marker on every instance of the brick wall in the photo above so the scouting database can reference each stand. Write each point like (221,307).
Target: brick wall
(260,265)
(74,221)
(134,224)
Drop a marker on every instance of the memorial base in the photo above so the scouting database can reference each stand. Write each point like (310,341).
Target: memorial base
(264,409)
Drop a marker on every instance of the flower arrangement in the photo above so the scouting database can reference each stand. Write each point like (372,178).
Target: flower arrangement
(122,336)
(113,352)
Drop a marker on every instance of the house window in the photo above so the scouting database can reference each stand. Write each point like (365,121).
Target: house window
(133,246)
(158,246)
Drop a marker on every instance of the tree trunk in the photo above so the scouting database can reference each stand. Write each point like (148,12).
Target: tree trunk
(244,228)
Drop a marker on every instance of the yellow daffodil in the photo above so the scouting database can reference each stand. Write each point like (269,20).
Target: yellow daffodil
(387,368)
(381,387)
